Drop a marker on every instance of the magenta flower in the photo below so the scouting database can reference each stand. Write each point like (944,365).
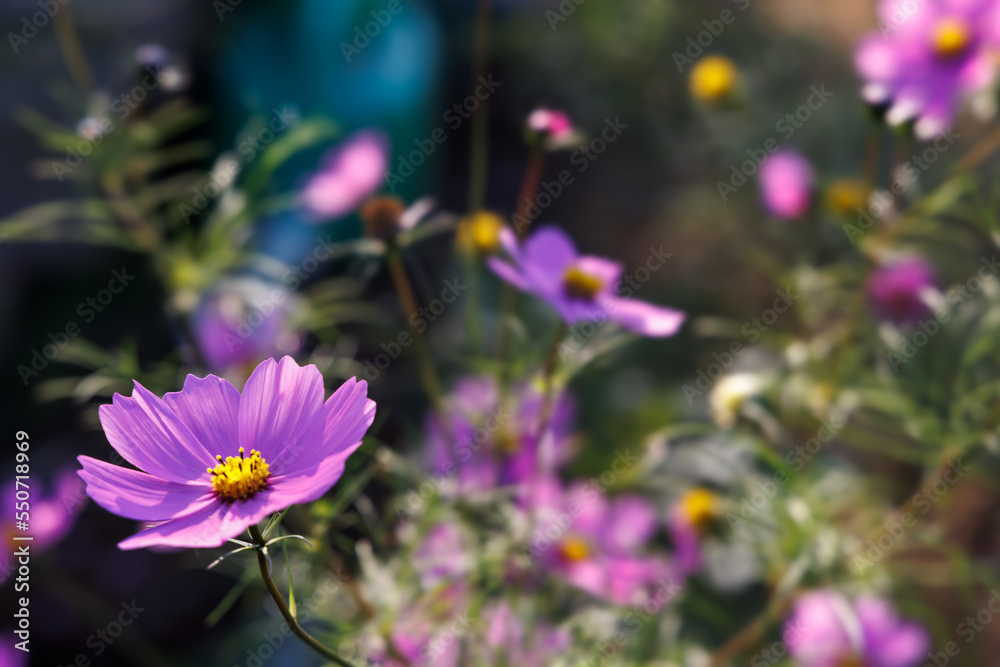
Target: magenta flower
(786,184)
(350,174)
(895,289)
(554,126)
(929,55)
(441,556)
(244,323)
(212,462)
(825,630)
(601,548)
(52,515)
(580,287)
(10,656)
(488,445)
(506,640)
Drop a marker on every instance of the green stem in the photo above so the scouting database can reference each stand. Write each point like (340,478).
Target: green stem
(408,302)
(314,644)
(548,379)
(72,53)
(479,147)
(522,224)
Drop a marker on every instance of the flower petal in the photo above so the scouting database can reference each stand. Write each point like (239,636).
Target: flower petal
(211,525)
(278,404)
(136,495)
(210,408)
(335,432)
(507,273)
(547,254)
(148,434)
(645,318)
(308,485)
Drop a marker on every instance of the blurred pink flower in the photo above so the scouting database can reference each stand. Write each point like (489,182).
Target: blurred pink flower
(506,640)
(581,288)
(350,174)
(826,630)
(52,515)
(600,544)
(550,121)
(488,445)
(894,289)
(929,55)
(242,322)
(786,184)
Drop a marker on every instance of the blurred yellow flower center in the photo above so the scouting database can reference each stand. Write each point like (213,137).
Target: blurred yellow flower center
(507,442)
(481,232)
(574,549)
(951,38)
(851,661)
(239,478)
(713,78)
(580,285)
(698,506)
(847,195)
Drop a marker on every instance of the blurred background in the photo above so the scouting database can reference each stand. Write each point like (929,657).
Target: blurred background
(655,186)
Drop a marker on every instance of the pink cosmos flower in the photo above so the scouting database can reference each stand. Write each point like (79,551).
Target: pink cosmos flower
(489,445)
(895,289)
(825,630)
(786,184)
(600,548)
(929,55)
(580,287)
(212,462)
(350,174)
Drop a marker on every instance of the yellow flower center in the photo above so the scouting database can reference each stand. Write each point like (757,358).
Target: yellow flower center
(481,232)
(698,506)
(507,442)
(847,195)
(580,285)
(851,661)
(239,478)
(713,78)
(951,38)
(574,549)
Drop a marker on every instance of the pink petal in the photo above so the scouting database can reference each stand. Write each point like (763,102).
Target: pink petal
(136,495)
(645,318)
(149,435)
(608,271)
(210,525)
(336,431)
(278,404)
(548,253)
(507,273)
(209,407)
(307,485)
(632,522)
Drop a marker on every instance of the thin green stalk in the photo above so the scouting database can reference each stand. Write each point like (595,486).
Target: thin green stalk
(549,385)
(479,147)
(408,302)
(522,225)
(313,643)
(72,53)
